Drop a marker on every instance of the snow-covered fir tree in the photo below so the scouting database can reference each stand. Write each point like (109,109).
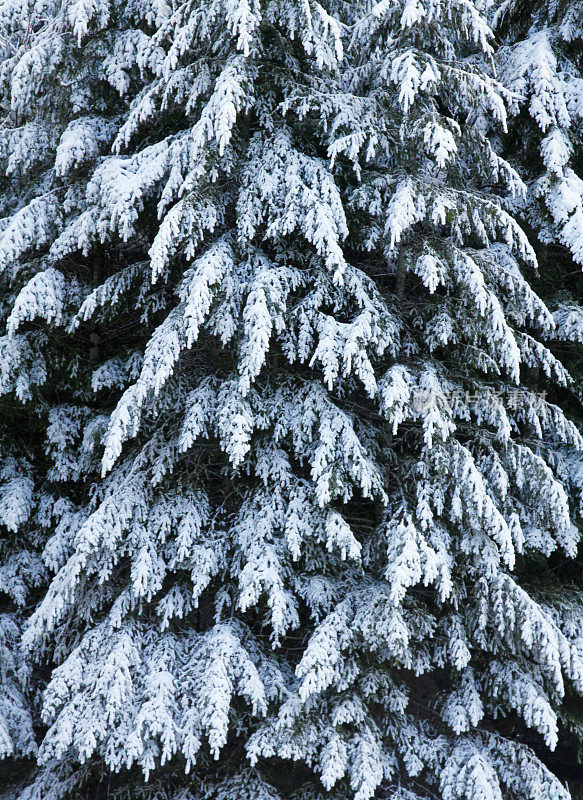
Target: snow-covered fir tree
(267,302)
(24,503)
(21,572)
(541,61)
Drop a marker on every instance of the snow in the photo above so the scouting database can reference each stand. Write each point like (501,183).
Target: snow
(280,477)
